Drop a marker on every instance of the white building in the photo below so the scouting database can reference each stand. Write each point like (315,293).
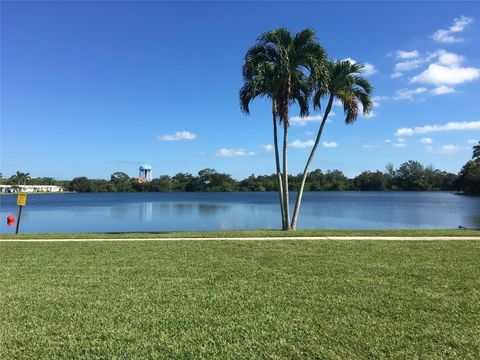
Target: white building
(30,188)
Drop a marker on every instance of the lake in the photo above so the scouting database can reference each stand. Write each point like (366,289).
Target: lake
(105,212)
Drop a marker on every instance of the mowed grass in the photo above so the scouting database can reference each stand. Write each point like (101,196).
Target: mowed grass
(244,233)
(240,300)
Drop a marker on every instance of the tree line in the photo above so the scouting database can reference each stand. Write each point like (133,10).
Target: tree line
(409,176)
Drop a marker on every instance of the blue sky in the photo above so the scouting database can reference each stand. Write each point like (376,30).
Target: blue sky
(97,87)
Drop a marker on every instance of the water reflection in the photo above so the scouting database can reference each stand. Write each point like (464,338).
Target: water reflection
(145,211)
(212,209)
(119,212)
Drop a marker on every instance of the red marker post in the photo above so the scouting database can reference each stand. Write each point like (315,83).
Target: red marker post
(21,202)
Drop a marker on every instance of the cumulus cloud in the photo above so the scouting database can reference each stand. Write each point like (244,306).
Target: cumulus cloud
(444,149)
(267,148)
(438,74)
(426,140)
(408,94)
(302,121)
(327,144)
(399,145)
(403,55)
(448,36)
(451,126)
(376,100)
(442,89)
(472,141)
(179,135)
(234,153)
(370,146)
(302,144)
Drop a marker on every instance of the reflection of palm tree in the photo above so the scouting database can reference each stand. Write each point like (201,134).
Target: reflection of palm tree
(276,67)
(353,91)
(476,151)
(21,178)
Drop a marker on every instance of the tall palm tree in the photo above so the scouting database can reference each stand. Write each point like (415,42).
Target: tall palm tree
(476,151)
(21,178)
(353,91)
(262,83)
(283,68)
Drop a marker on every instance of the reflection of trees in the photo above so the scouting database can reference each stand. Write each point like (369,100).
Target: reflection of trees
(119,212)
(183,209)
(210,209)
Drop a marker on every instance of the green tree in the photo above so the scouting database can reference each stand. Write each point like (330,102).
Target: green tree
(469,178)
(353,91)
(80,184)
(476,151)
(370,181)
(21,178)
(282,68)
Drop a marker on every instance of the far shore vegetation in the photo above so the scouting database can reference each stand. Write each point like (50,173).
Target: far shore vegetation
(409,176)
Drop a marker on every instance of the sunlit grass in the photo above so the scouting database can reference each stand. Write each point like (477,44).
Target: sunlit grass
(245,233)
(233,300)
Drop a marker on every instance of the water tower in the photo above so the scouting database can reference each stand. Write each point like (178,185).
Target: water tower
(145,172)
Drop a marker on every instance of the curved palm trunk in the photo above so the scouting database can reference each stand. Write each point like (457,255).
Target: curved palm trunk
(285,178)
(277,162)
(307,165)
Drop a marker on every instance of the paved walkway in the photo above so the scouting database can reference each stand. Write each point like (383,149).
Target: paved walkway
(314,238)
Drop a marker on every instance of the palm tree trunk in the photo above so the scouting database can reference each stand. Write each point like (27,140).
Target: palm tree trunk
(309,161)
(285,177)
(279,175)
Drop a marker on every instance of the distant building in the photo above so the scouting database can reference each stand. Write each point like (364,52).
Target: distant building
(144,173)
(30,188)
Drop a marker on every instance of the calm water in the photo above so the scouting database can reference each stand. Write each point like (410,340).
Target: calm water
(220,211)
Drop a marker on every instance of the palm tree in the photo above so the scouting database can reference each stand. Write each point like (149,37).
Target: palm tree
(476,151)
(284,69)
(345,84)
(20,178)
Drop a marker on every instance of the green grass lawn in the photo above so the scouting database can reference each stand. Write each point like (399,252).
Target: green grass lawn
(234,300)
(246,233)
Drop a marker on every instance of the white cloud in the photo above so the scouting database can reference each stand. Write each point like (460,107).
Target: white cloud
(179,135)
(451,126)
(267,148)
(370,146)
(443,89)
(388,141)
(426,140)
(396,75)
(399,145)
(448,58)
(447,36)
(302,144)
(302,121)
(376,100)
(234,153)
(368,69)
(408,94)
(472,141)
(437,74)
(401,140)
(401,54)
(407,65)
(444,149)
(327,144)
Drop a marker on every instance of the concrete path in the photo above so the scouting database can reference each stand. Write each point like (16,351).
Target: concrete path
(314,238)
